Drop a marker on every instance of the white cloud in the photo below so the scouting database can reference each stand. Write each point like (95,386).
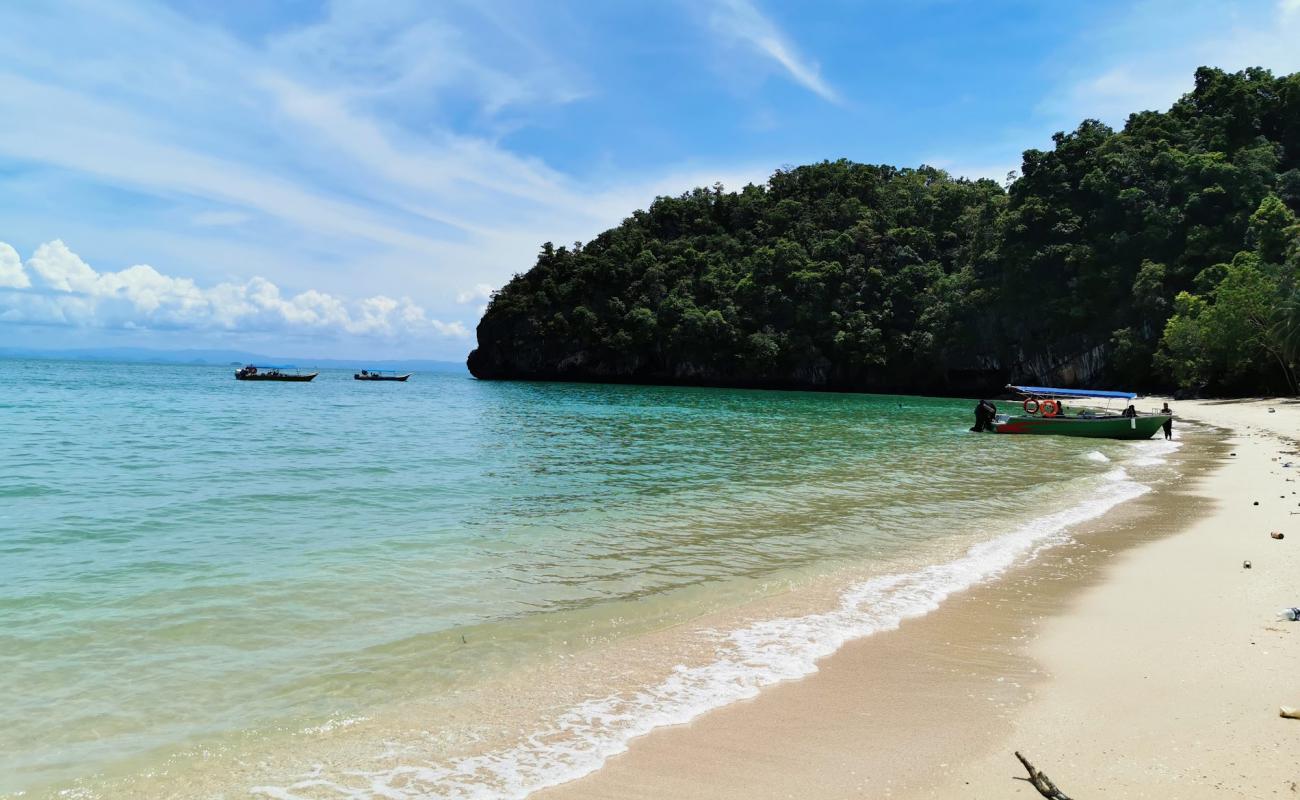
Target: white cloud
(741,21)
(362,154)
(68,291)
(220,218)
(320,156)
(397,49)
(11,269)
(1145,59)
(61,269)
(1126,88)
(481,291)
(79,132)
(994,170)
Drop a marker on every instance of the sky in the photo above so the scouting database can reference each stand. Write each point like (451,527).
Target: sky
(352,179)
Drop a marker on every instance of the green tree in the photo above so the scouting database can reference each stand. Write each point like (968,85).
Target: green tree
(1166,246)
(1183,352)
(1234,334)
(1272,229)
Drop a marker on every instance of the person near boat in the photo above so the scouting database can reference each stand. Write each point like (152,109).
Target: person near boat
(1169,423)
(1045,413)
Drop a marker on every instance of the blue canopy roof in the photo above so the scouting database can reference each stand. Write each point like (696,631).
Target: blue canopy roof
(1049,391)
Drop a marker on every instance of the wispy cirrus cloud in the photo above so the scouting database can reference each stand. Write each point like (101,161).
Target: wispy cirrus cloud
(480,292)
(1144,59)
(356,153)
(415,149)
(741,22)
(1141,57)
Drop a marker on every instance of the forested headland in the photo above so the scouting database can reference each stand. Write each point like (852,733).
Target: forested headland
(1165,255)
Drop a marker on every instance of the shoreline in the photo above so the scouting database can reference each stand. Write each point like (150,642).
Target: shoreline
(888,710)
(751,650)
(758,655)
(936,707)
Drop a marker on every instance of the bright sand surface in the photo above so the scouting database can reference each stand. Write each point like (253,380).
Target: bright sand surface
(1140,660)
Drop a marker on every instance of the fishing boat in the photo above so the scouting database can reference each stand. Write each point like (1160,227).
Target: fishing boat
(252,372)
(379,375)
(1049,410)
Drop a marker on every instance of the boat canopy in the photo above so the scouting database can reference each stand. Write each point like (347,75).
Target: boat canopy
(274,366)
(1048,391)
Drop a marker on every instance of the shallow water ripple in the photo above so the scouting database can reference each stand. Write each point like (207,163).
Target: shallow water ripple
(188,562)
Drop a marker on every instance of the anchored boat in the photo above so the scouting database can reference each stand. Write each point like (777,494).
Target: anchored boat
(251,372)
(1048,410)
(379,375)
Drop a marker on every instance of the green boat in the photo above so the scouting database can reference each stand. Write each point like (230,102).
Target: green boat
(1046,412)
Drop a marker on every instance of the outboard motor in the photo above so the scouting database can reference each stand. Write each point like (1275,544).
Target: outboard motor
(984,414)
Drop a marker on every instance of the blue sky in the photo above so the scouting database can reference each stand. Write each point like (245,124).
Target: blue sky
(351,178)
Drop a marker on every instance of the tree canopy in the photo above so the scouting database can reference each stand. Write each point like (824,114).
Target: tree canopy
(1161,254)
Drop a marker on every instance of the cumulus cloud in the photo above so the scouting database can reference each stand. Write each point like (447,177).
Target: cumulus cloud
(56,286)
(11,269)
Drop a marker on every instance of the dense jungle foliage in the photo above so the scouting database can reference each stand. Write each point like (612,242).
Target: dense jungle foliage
(1166,254)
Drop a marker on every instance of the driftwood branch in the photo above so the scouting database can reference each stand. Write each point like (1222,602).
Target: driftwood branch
(1041,782)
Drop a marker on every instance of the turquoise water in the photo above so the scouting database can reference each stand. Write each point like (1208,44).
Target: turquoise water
(194,564)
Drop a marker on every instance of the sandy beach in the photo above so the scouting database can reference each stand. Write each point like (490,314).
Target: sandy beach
(1140,660)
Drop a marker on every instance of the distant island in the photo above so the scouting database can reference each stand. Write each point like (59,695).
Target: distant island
(1165,255)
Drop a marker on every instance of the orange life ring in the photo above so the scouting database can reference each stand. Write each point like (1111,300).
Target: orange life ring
(1050,408)
(1028,401)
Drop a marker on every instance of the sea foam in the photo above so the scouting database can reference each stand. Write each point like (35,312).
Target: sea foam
(748,659)
(1154,451)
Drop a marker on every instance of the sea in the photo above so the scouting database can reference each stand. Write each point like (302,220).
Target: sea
(449,588)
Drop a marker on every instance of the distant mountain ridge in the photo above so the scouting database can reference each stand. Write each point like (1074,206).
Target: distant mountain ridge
(143,355)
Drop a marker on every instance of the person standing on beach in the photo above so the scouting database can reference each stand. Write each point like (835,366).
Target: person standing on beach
(1169,423)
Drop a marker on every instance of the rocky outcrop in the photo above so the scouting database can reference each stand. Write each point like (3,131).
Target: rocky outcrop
(512,355)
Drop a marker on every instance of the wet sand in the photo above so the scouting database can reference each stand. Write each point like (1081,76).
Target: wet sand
(1141,660)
